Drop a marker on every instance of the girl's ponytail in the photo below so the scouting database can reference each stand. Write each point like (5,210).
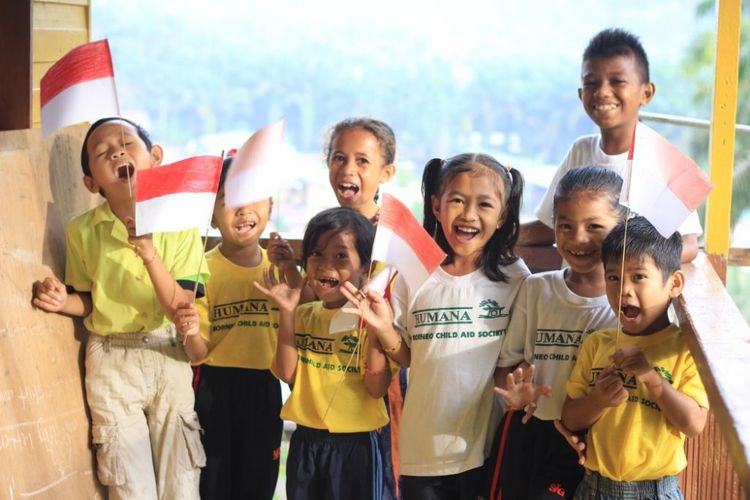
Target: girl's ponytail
(431,187)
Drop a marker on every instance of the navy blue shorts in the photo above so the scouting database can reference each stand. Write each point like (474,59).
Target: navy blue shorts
(333,466)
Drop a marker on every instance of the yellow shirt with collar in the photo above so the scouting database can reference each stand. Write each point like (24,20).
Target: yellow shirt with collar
(634,441)
(239,323)
(100,260)
(329,388)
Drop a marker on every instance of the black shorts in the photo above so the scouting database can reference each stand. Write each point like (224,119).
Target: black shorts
(333,466)
(532,461)
(238,409)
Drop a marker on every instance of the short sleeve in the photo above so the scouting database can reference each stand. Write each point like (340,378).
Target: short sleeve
(690,382)
(577,384)
(75,265)
(513,347)
(185,258)
(544,211)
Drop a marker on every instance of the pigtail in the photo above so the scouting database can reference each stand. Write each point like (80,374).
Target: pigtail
(499,250)
(430,188)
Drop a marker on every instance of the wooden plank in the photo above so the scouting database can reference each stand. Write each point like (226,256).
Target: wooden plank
(63,2)
(15,66)
(38,69)
(36,111)
(44,429)
(51,45)
(739,257)
(59,16)
(724,111)
(719,338)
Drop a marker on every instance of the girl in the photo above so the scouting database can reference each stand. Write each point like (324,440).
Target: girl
(553,313)
(338,380)
(449,331)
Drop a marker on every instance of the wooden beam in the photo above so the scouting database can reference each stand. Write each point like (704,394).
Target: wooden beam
(721,145)
(15,65)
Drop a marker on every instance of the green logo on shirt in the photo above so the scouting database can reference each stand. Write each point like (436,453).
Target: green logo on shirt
(314,344)
(492,309)
(350,344)
(446,316)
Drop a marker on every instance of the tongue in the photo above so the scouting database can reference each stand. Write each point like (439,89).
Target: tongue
(348,193)
(630,311)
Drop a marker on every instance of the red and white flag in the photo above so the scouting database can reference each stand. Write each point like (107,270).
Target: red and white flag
(79,87)
(662,184)
(176,196)
(257,168)
(402,242)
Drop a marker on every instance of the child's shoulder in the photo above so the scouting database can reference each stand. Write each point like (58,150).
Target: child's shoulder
(91,217)
(517,270)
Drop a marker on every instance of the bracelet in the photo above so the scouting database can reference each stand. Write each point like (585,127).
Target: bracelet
(395,348)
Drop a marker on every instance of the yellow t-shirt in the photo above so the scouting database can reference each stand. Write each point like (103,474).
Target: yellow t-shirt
(239,323)
(330,374)
(634,441)
(101,261)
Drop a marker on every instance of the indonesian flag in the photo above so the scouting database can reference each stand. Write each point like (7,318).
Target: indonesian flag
(177,196)
(256,170)
(662,184)
(80,87)
(402,242)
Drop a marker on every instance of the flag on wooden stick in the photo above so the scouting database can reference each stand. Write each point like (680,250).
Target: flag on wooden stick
(79,87)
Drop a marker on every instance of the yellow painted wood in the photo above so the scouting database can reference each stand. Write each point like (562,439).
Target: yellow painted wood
(59,16)
(65,2)
(723,119)
(38,69)
(36,110)
(51,45)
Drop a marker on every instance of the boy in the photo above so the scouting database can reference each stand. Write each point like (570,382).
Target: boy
(615,83)
(238,399)
(637,392)
(145,430)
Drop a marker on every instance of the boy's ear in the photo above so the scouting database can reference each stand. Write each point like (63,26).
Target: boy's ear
(387,173)
(157,155)
(649,89)
(90,184)
(676,284)
(580,91)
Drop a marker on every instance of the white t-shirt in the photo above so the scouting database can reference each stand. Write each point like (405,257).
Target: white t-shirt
(547,326)
(454,326)
(586,151)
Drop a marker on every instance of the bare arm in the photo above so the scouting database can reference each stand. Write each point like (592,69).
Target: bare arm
(187,323)
(51,295)
(377,372)
(689,248)
(579,414)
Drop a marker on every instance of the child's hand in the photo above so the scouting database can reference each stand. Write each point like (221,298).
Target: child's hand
(285,297)
(520,391)
(186,319)
(49,295)
(631,360)
(143,245)
(370,306)
(609,391)
(575,442)
(280,252)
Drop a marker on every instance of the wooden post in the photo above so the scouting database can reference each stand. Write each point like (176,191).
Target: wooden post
(15,65)
(721,145)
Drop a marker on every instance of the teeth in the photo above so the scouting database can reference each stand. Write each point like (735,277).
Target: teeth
(465,229)
(346,185)
(605,107)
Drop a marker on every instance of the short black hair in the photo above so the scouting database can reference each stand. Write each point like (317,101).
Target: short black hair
(85,152)
(643,240)
(613,42)
(381,130)
(600,180)
(339,219)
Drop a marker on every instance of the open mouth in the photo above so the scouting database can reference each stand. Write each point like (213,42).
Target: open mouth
(347,190)
(465,233)
(580,253)
(125,172)
(605,108)
(329,283)
(245,227)
(631,312)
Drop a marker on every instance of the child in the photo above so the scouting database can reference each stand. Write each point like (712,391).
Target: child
(360,154)
(615,83)
(238,399)
(637,391)
(338,380)
(553,313)
(449,331)
(127,288)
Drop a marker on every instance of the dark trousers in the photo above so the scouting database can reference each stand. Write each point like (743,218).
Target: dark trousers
(239,410)
(464,486)
(333,466)
(532,461)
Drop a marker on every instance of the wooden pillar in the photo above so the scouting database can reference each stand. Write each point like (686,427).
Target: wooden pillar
(15,64)
(721,145)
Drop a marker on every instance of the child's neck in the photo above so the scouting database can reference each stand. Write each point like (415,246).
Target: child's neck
(245,256)
(461,266)
(616,141)
(123,209)
(589,284)
(370,211)
(656,326)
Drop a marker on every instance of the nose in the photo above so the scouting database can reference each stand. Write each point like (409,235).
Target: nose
(243,210)
(580,235)
(470,211)
(604,88)
(118,152)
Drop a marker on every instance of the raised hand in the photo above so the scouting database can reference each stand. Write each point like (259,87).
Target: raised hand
(284,296)
(521,392)
(575,441)
(631,360)
(370,306)
(49,295)
(280,252)
(186,320)
(143,245)
(608,390)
